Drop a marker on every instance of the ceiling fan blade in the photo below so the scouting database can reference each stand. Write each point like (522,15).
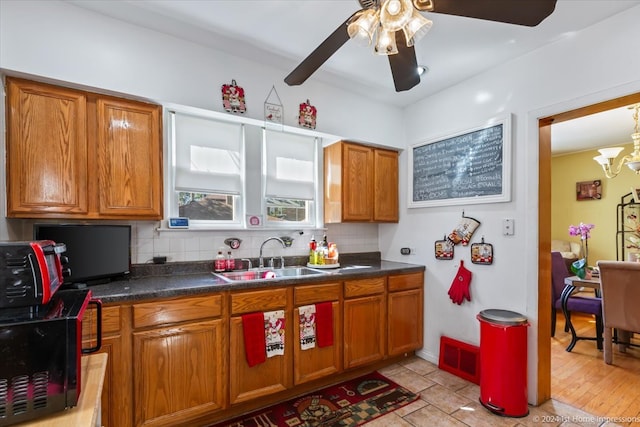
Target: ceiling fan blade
(529,12)
(320,55)
(404,65)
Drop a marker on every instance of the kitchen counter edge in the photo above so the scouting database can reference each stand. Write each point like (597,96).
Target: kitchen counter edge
(152,287)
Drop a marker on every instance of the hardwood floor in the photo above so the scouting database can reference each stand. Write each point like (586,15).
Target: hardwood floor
(581,379)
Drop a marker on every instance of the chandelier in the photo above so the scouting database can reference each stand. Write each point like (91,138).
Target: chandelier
(608,155)
(379,24)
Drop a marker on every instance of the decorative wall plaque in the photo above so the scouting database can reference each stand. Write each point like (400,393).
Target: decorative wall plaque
(308,114)
(233,98)
(273,108)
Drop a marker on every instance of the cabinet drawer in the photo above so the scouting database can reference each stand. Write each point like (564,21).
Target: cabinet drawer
(247,302)
(406,281)
(316,293)
(110,322)
(372,286)
(180,310)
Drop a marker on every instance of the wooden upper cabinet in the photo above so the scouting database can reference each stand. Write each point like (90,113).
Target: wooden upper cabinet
(46,150)
(129,158)
(385,179)
(77,154)
(361,184)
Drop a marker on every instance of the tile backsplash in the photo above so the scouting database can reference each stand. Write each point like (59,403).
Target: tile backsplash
(196,245)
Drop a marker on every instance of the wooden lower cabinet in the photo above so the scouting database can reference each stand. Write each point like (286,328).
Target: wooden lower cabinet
(116,390)
(405,313)
(178,373)
(272,376)
(181,361)
(364,321)
(317,362)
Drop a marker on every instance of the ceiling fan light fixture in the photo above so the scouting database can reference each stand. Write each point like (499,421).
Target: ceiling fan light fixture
(423,5)
(417,27)
(394,14)
(386,42)
(362,29)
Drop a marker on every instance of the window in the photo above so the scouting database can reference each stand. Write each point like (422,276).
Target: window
(221,170)
(290,170)
(208,169)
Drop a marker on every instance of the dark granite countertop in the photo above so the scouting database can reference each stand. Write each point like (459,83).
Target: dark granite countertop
(184,279)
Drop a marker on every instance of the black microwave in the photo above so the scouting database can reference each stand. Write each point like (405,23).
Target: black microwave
(40,350)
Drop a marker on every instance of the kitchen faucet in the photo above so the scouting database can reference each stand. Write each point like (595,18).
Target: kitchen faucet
(261,261)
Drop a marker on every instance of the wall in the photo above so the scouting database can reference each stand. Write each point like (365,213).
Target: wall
(557,78)
(59,42)
(568,169)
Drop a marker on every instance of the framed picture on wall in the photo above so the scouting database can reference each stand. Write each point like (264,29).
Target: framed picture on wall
(635,192)
(589,190)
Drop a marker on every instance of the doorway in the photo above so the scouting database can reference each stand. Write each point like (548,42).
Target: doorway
(544,231)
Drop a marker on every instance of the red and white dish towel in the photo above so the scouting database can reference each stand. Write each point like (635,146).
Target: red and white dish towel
(274,332)
(263,335)
(316,325)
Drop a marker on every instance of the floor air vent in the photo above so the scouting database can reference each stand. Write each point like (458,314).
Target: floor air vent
(460,359)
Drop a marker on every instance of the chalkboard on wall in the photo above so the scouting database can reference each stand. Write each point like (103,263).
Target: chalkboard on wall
(470,167)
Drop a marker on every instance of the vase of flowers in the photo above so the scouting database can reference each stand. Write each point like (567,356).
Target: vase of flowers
(580,267)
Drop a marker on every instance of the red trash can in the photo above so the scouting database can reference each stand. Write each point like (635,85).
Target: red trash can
(503,362)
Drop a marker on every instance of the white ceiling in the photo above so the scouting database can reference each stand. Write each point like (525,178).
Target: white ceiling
(281,33)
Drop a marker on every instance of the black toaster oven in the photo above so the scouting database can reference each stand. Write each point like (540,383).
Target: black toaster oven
(31,272)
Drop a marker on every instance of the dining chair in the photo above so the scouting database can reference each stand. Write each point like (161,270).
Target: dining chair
(620,290)
(577,304)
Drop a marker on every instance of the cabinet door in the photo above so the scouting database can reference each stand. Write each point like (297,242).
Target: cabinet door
(357,183)
(317,362)
(177,373)
(272,376)
(116,391)
(405,321)
(385,196)
(364,329)
(129,153)
(46,150)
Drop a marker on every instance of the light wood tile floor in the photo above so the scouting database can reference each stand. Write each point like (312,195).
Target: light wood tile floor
(585,391)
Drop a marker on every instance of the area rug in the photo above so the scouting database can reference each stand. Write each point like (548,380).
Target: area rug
(350,403)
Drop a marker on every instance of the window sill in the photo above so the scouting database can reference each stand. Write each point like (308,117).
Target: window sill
(238,229)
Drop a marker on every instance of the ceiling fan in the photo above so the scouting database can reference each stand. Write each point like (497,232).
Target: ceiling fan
(395,26)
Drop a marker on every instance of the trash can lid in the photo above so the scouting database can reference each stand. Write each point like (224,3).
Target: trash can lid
(502,317)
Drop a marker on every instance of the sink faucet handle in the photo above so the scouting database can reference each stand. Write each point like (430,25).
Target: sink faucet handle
(250,266)
(281,262)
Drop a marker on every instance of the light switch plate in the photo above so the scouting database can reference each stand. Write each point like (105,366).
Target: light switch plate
(508,227)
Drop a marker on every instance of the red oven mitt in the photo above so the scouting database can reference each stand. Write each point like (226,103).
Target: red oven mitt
(459,290)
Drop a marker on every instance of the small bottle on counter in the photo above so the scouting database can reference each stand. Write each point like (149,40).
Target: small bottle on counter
(230,264)
(220,263)
(312,251)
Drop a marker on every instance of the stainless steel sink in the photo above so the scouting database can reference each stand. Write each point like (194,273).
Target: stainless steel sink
(268,273)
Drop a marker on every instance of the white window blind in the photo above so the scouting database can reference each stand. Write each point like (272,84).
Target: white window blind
(208,155)
(290,165)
